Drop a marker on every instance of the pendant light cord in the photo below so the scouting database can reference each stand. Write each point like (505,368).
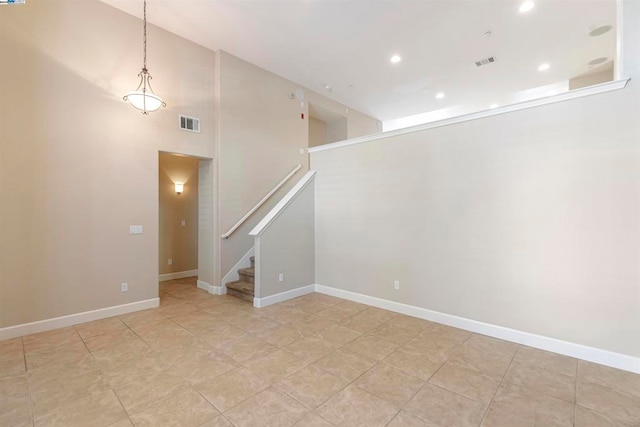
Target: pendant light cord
(143,96)
(144,62)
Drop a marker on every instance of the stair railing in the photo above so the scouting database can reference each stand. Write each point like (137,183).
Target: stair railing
(261,202)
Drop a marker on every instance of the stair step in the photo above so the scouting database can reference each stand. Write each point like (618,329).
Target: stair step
(241,289)
(249,271)
(247,274)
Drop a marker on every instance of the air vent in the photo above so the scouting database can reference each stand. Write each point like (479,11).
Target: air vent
(485,61)
(191,124)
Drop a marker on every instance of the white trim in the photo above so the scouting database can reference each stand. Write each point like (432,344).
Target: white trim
(257,282)
(283,296)
(591,354)
(214,290)
(177,275)
(577,93)
(618,62)
(232,275)
(218,290)
(74,319)
(204,286)
(283,203)
(261,202)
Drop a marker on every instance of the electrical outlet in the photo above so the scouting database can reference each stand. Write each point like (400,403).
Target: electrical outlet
(124,287)
(183,222)
(281,277)
(170,261)
(396,284)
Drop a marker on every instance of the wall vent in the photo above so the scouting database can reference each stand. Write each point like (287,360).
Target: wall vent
(192,124)
(485,61)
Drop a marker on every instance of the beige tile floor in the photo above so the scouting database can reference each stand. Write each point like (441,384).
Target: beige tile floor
(203,360)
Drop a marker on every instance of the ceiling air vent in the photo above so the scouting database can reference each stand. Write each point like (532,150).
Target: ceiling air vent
(192,124)
(485,61)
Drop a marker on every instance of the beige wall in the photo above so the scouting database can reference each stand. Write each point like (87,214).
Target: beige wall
(208,240)
(337,130)
(177,242)
(358,124)
(528,220)
(261,134)
(287,246)
(77,164)
(317,132)
(592,78)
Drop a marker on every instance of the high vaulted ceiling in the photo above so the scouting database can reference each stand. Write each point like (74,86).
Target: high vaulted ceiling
(347,45)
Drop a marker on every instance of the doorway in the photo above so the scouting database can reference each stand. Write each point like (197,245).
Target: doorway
(178,218)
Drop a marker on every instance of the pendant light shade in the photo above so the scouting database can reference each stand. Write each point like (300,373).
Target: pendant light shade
(143,97)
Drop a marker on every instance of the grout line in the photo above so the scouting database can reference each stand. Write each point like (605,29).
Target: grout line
(436,371)
(115,393)
(24,357)
(84,342)
(575,396)
(500,384)
(207,400)
(449,357)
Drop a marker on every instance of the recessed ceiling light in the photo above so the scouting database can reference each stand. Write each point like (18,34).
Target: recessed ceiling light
(598,31)
(395,59)
(439,95)
(526,6)
(543,67)
(597,61)
(492,106)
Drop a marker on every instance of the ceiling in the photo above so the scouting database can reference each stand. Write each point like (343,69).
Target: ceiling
(347,45)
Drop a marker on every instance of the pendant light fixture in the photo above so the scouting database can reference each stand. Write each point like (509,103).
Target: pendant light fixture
(143,97)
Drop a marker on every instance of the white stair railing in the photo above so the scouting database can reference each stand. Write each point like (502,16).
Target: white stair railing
(261,202)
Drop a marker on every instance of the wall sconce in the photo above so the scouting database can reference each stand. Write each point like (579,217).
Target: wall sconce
(179,187)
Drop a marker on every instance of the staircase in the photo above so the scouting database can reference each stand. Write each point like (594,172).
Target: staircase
(244,288)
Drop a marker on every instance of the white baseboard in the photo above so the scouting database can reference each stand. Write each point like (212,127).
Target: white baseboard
(177,275)
(232,275)
(74,319)
(218,290)
(283,296)
(215,290)
(579,351)
(204,286)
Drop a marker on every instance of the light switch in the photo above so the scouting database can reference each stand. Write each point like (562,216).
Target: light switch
(135,229)
(184,222)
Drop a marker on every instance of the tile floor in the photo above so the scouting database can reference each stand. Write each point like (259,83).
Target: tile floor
(203,360)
